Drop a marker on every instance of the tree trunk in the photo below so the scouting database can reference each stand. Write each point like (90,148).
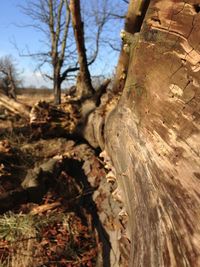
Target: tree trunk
(57,87)
(152,138)
(133,21)
(84,85)
(11,86)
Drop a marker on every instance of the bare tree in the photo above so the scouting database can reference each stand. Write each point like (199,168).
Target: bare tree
(8,76)
(52,18)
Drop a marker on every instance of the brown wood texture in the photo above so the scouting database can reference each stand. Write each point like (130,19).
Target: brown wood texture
(133,22)
(152,138)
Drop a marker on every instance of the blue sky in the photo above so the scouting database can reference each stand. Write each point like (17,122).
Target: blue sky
(11,17)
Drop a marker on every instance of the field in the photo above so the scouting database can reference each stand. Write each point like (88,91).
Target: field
(31,96)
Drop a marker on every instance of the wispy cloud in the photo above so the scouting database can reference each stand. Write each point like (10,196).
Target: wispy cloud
(36,79)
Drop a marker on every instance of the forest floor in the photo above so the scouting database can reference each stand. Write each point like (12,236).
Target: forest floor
(47,213)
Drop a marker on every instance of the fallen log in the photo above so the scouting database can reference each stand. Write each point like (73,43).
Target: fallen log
(33,188)
(151,138)
(14,106)
(39,175)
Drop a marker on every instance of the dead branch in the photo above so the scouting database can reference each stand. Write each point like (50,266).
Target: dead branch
(45,207)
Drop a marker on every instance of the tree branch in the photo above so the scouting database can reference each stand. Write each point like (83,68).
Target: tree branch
(63,46)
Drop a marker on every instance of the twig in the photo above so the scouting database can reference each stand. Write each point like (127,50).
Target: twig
(44,208)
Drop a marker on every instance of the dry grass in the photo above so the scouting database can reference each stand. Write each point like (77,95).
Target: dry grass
(30,96)
(33,240)
(18,233)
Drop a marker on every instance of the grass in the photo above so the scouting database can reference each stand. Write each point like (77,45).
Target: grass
(17,233)
(31,240)
(14,227)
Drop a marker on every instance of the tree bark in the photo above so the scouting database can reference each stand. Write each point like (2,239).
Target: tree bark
(58,43)
(57,87)
(84,85)
(133,21)
(152,138)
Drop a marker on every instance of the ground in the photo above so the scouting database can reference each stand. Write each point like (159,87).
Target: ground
(53,222)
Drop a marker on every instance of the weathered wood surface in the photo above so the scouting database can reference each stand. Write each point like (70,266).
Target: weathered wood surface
(14,106)
(152,138)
